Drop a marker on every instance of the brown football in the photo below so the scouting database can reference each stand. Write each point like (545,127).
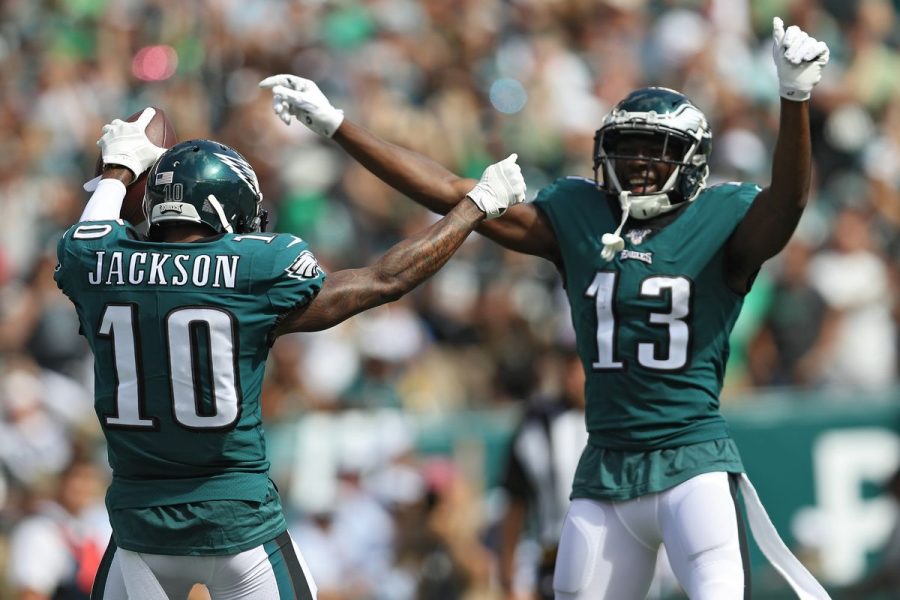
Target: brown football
(161,132)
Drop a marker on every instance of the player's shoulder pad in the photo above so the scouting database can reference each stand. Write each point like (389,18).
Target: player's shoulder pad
(295,258)
(89,231)
(566,185)
(262,243)
(261,239)
(736,194)
(290,255)
(732,191)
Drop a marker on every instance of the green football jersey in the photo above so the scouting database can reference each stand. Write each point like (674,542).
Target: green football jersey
(180,334)
(651,325)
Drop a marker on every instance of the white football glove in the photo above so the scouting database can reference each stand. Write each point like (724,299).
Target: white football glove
(301,98)
(501,186)
(799,59)
(126,144)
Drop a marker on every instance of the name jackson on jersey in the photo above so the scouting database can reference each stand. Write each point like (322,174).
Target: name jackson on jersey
(115,268)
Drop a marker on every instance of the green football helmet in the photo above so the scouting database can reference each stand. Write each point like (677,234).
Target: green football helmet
(674,125)
(202,181)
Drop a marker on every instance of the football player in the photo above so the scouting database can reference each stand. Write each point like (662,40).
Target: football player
(180,324)
(656,266)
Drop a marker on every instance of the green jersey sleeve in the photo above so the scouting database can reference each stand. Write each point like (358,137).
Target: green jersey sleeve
(568,196)
(294,276)
(78,248)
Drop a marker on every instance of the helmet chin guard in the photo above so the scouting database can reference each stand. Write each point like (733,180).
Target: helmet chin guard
(647,206)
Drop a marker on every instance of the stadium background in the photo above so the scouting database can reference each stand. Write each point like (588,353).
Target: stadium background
(416,401)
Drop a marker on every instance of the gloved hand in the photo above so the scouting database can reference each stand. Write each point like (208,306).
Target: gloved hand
(799,59)
(301,98)
(126,144)
(501,186)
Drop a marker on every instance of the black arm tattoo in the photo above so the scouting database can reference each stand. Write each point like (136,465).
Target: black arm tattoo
(402,268)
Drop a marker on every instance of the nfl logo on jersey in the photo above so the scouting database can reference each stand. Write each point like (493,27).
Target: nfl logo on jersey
(637,236)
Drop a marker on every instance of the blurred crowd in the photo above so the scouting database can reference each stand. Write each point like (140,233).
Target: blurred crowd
(465,82)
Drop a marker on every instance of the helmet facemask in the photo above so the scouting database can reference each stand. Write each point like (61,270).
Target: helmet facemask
(653,149)
(677,136)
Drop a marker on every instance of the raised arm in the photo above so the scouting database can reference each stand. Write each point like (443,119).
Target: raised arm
(127,152)
(524,228)
(402,268)
(413,260)
(771,220)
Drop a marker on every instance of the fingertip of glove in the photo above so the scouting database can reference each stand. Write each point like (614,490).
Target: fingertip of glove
(777,27)
(146,116)
(270,81)
(91,185)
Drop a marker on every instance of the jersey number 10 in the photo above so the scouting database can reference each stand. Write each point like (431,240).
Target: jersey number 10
(120,324)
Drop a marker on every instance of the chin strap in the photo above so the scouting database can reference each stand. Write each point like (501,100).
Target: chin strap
(217,206)
(613,242)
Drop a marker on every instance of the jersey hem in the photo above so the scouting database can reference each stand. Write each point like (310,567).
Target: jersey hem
(715,429)
(126,493)
(194,551)
(622,495)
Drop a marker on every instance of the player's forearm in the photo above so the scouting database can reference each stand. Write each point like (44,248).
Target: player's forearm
(415,259)
(402,268)
(105,203)
(791,168)
(422,179)
(771,220)
(792,160)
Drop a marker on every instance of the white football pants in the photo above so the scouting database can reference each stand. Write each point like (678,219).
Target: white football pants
(608,549)
(272,571)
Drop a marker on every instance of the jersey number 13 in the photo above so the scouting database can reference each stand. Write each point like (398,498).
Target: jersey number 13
(651,355)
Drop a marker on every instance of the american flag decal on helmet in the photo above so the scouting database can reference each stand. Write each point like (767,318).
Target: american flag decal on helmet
(305,266)
(242,169)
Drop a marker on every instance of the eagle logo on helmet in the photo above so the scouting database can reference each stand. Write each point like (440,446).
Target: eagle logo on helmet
(666,115)
(204,182)
(652,149)
(242,169)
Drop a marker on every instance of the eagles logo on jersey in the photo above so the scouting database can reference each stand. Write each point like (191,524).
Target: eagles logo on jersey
(305,266)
